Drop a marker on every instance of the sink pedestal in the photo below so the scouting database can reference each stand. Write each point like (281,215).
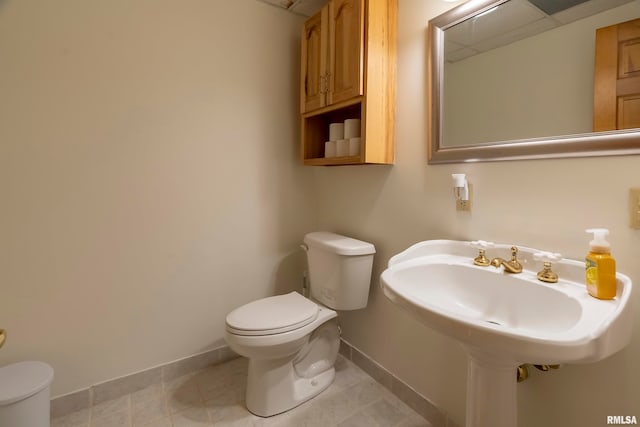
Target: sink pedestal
(491,391)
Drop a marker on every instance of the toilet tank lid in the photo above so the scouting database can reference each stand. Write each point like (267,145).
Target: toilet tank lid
(338,244)
(23,379)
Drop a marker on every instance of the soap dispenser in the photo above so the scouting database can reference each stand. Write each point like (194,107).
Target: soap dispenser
(600,266)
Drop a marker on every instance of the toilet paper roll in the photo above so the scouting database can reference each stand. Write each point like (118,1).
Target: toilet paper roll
(351,128)
(354,146)
(336,131)
(343,147)
(330,149)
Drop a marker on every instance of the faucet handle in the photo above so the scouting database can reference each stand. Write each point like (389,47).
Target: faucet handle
(546,275)
(481,245)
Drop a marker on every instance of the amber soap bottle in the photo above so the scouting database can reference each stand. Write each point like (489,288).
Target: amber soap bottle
(600,266)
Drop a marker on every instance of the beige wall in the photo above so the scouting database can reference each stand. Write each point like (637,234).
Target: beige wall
(540,204)
(150,183)
(149,177)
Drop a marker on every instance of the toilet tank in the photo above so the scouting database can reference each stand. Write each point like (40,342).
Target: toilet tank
(339,270)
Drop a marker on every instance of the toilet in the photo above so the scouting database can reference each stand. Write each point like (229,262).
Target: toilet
(291,341)
(24,394)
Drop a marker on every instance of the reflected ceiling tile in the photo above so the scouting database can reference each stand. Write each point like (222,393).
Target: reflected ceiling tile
(528,30)
(589,8)
(516,20)
(554,6)
(450,45)
(459,54)
(506,17)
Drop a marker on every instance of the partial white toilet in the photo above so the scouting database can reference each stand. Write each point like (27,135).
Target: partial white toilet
(24,394)
(292,342)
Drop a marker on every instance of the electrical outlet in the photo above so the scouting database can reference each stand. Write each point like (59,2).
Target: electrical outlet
(634,208)
(463,205)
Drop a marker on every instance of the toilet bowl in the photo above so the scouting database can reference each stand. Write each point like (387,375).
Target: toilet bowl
(291,341)
(24,394)
(291,359)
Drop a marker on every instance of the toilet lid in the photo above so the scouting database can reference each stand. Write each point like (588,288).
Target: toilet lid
(23,379)
(272,315)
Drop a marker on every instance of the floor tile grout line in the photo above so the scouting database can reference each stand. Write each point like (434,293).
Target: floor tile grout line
(130,405)
(201,396)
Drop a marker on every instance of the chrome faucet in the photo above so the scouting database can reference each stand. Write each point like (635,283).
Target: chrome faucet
(511,266)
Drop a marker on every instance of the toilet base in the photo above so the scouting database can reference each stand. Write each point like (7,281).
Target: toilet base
(24,394)
(30,412)
(274,387)
(287,369)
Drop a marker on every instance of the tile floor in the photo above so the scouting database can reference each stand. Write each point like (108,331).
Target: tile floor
(215,397)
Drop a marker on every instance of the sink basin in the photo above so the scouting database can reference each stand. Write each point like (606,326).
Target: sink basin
(515,316)
(504,320)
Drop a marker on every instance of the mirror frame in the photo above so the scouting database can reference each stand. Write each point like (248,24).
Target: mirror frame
(611,143)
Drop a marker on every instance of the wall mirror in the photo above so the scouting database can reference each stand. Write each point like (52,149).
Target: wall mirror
(515,79)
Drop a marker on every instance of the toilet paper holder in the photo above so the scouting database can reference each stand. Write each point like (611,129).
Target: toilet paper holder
(3,337)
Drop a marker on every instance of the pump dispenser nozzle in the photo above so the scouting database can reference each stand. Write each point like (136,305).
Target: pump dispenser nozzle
(599,243)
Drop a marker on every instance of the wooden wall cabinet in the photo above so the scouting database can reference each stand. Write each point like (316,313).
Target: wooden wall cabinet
(349,71)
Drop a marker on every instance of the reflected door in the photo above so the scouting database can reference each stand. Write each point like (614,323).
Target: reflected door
(617,77)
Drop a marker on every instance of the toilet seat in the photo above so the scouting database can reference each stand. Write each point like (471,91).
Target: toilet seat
(272,315)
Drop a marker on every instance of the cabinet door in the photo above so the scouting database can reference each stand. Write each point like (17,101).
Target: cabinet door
(345,55)
(314,54)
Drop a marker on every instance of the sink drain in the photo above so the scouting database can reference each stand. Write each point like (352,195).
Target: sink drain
(492,322)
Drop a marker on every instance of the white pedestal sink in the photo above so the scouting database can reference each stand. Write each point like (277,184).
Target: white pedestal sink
(505,320)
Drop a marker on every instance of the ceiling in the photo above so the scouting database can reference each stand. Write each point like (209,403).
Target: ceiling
(299,7)
(516,20)
(507,23)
